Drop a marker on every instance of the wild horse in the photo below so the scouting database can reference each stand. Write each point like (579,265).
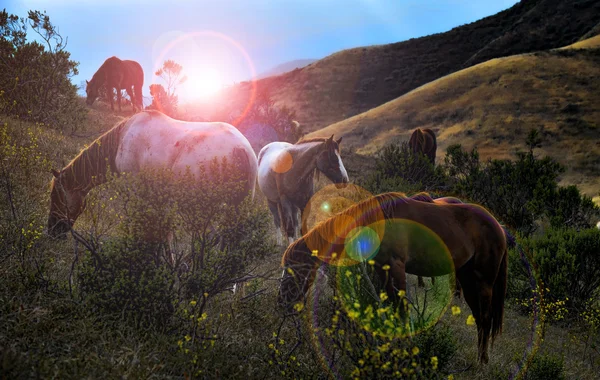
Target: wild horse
(286,176)
(120,75)
(474,240)
(423,141)
(147,140)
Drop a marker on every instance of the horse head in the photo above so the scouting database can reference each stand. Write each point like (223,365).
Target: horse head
(330,163)
(91,89)
(298,273)
(66,205)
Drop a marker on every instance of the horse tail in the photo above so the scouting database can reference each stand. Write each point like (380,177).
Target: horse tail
(246,170)
(498,296)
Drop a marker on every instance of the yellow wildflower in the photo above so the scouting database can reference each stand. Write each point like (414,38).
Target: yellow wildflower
(371,262)
(193,303)
(383,296)
(434,362)
(415,350)
(401,293)
(299,306)
(314,252)
(470,320)
(385,267)
(455,310)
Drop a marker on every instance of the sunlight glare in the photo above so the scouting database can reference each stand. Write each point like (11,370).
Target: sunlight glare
(202,84)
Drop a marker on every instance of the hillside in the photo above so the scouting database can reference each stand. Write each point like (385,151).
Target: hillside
(494,104)
(353,81)
(286,67)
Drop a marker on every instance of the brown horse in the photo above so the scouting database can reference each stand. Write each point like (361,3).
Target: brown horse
(425,197)
(147,140)
(475,240)
(120,75)
(423,141)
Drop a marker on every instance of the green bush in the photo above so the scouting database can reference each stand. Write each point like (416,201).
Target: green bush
(397,168)
(437,341)
(565,260)
(546,367)
(35,76)
(124,280)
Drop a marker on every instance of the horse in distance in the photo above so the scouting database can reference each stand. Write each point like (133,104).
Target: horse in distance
(121,75)
(475,241)
(286,177)
(147,140)
(423,141)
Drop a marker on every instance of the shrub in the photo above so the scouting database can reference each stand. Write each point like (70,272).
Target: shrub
(397,168)
(566,261)
(546,367)
(35,77)
(124,280)
(438,341)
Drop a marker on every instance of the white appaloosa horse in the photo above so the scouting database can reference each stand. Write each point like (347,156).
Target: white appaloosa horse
(148,140)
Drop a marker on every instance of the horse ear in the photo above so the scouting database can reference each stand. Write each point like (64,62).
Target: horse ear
(339,141)
(55,172)
(86,82)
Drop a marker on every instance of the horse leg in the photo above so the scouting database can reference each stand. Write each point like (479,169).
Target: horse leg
(457,289)
(274,208)
(119,98)
(110,96)
(139,98)
(289,219)
(130,93)
(420,282)
(473,291)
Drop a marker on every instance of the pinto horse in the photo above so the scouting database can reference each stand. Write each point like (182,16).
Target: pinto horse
(286,177)
(120,75)
(475,242)
(423,141)
(147,140)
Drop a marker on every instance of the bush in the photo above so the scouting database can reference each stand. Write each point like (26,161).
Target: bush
(546,367)
(124,280)
(438,341)
(35,77)
(397,168)
(566,261)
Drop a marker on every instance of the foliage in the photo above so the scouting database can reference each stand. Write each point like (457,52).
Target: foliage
(23,194)
(566,261)
(546,367)
(397,168)
(124,280)
(166,100)
(519,192)
(262,111)
(35,76)
(438,341)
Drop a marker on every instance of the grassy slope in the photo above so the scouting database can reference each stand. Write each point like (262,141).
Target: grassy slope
(493,105)
(355,80)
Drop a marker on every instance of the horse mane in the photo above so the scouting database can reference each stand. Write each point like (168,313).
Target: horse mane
(312,139)
(89,167)
(366,212)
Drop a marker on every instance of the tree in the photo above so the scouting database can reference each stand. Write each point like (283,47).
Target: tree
(166,100)
(171,74)
(35,76)
(161,101)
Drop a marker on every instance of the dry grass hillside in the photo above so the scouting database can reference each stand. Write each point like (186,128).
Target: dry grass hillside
(493,105)
(355,80)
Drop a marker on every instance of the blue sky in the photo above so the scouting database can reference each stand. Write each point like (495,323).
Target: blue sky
(225,41)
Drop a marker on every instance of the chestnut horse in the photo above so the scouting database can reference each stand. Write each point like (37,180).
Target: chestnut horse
(423,141)
(120,75)
(474,240)
(147,140)
(286,175)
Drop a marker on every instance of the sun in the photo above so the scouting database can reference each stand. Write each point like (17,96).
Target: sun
(202,84)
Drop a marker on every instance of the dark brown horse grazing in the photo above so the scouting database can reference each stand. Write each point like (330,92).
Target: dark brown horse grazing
(423,141)
(475,240)
(120,75)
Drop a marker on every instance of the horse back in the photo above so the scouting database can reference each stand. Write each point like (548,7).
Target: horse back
(152,140)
